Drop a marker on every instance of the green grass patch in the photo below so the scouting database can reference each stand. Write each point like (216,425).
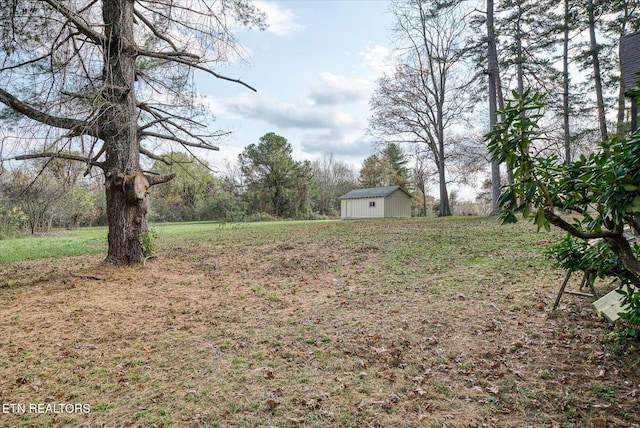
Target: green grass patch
(62,244)
(94,240)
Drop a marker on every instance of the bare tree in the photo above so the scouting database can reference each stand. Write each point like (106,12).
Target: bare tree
(421,176)
(333,178)
(426,96)
(111,80)
(35,197)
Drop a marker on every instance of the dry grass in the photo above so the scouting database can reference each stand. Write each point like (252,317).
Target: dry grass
(441,322)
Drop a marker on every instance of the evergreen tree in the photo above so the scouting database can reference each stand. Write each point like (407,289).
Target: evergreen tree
(276,184)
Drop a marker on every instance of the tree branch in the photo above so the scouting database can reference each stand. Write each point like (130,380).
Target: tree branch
(154,30)
(176,57)
(622,248)
(164,117)
(202,145)
(78,127)
(153,156)
(22,64)
(153,180)
(80,25)
(52,155)
(558,221)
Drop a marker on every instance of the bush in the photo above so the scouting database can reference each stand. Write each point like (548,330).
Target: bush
(602,190)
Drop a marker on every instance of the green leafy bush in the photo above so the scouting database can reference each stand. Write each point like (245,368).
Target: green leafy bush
(601,191)
(149,239)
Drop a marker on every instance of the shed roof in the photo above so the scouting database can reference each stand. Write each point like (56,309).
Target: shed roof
(630,60)
(373,192)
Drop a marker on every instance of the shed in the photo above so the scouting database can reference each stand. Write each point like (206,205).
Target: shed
(376,202)
(630,67)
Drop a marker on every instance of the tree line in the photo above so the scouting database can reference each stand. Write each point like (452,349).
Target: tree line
(265,183)
(458,61)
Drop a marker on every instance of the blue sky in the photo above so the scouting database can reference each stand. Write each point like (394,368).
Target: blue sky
(315,69)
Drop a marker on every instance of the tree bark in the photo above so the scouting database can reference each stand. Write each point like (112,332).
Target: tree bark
(500,99)
(445,208)
(519,53)
(565,85)
(492,56)
(602,118)
(119,130)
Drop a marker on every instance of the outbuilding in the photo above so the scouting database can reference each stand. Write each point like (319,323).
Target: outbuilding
(376,202)
(630,68)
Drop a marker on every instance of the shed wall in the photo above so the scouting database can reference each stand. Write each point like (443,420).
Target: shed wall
(360,208)
(397,204)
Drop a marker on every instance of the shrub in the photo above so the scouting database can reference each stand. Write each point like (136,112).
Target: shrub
(601,190)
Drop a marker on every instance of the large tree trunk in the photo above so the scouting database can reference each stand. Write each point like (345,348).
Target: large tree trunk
(500,100)
(492,57)
(127,225)
(520,53)
(126,204)
(445,208)
(565,84)
(602,118)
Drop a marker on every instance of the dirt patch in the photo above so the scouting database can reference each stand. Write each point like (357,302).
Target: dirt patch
(312,328)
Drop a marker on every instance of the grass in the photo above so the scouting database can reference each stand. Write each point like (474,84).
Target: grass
(63,244)
(403,323)
(94,240)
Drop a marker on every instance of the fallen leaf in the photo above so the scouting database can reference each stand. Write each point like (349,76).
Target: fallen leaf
(619,422)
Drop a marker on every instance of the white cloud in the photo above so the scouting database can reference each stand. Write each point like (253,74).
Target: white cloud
(333,90)
(282,22)
(314,129)
(268,108)
(342,142)
(379,59)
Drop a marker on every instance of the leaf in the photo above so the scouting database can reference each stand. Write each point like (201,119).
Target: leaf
(541,221)
(272,404)
(532,190)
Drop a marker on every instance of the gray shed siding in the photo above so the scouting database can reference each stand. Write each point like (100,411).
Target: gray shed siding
(397,204)
(375,203)
(361,208)
(630,60)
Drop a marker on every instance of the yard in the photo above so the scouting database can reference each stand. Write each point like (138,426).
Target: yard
(381,323)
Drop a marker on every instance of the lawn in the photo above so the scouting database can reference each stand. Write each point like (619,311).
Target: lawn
(59,244)
(381,323)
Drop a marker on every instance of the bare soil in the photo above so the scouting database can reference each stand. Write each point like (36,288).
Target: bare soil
(312,328)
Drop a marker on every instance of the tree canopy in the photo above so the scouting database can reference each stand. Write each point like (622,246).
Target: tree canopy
(276,184)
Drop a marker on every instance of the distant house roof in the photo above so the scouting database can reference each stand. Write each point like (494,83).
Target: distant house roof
(373,192)
(630,60)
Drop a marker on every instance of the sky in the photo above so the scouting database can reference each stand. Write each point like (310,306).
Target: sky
(315,68)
